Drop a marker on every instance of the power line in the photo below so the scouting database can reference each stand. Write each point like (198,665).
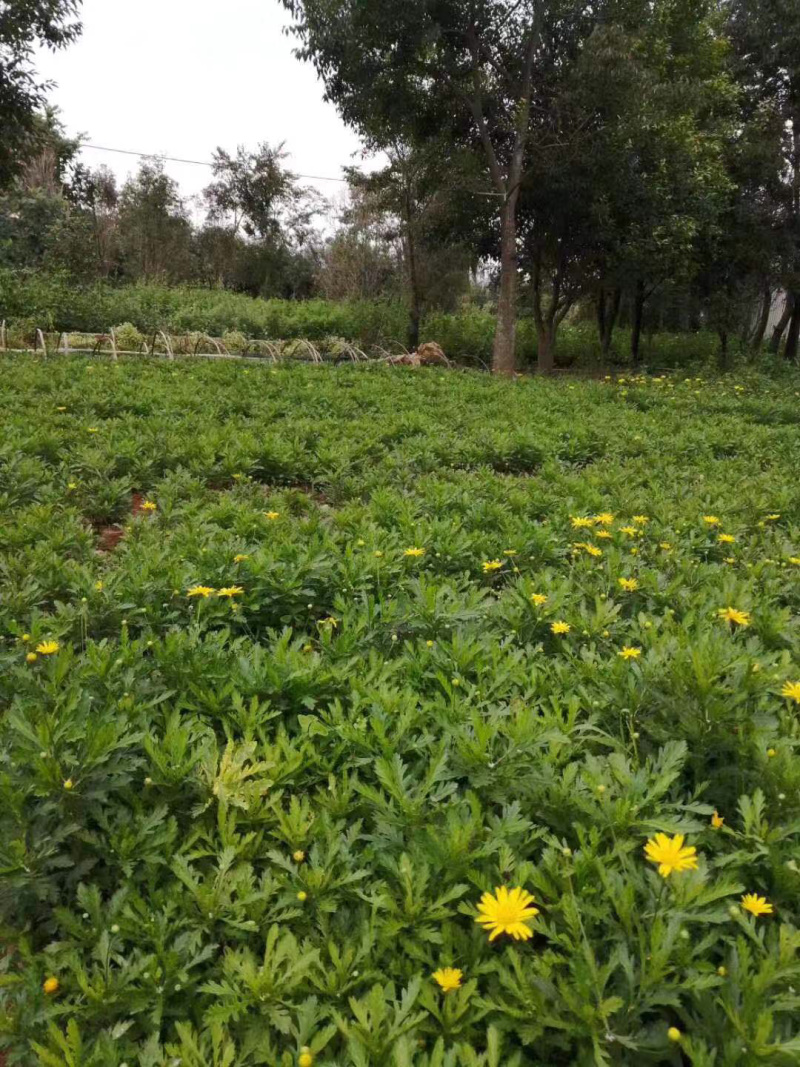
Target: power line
(194,162)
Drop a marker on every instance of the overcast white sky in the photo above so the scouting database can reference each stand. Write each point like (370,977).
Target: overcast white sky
(180,77)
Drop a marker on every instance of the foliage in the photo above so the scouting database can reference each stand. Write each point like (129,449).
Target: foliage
(239,825)
(24,25)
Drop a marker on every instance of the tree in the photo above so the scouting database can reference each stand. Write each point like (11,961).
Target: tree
(254,194)
(154,228)
(409,70)
(766,37)
(23,25)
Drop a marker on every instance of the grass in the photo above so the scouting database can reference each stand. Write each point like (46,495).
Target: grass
(248,828)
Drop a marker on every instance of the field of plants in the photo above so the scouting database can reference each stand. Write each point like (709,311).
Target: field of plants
(55,303)
(368,716)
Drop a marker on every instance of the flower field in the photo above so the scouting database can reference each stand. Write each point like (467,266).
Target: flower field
(355,715)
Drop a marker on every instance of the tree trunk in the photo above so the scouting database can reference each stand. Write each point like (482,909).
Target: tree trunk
(415,291)
(763,320)
(601,314)
(780,326)
(793,337)
(547,349)
(610,315)
(723,349)
(504,355)
(638,319)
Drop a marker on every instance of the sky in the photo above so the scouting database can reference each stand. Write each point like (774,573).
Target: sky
(179,77)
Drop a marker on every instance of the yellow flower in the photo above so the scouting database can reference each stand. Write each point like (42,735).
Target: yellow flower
(772,518)
(506,912)
(674,1033)
(492,565)
(630,585)
(72,485)
(726,539)
(734,616)
(240,558)
(298,856)
(593,550)
(772,753)
(630,653)
(69,784)
(47,648)
(560,628)
(510,552)
(230,591)
(579,523)
(61,409)
(756,905)
(149,505)
(414,553)
(795,561)
(604,535)
(448,978)
(605,518)
(670,854)
(641,520)
(272,515)
(538,599)
(730,560)
(25,638)
(717,820)
(200,590)
(302,896)
(631,531)
(791,691)
(31,657)
(666,546)
(93,429)
(306,1057)
(378,554)
(711,520)
(50,986)
(98,586)
(330,621)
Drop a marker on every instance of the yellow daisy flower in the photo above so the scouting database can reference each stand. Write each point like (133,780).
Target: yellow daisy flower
(605,518)
(717,820)
(230,591)
(240,558)
(734,616)
(630,585)
(539,599)
(726,539)
(579,523)
(628,652)
(148,505)
(48,648)
(631,531)
(414,553)
(711,520)
(792,691)
(200,590)
(670,854)
(641,520)
(756,905)
(560,628)
(506,912)
(448,978)
(272,515)
(492,565)
(593,550)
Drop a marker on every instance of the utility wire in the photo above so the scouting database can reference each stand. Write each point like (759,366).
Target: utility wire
(206,163)
(194,162)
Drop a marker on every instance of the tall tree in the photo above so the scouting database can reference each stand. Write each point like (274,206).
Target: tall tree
(24,24)
(766,37)
(154,228)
